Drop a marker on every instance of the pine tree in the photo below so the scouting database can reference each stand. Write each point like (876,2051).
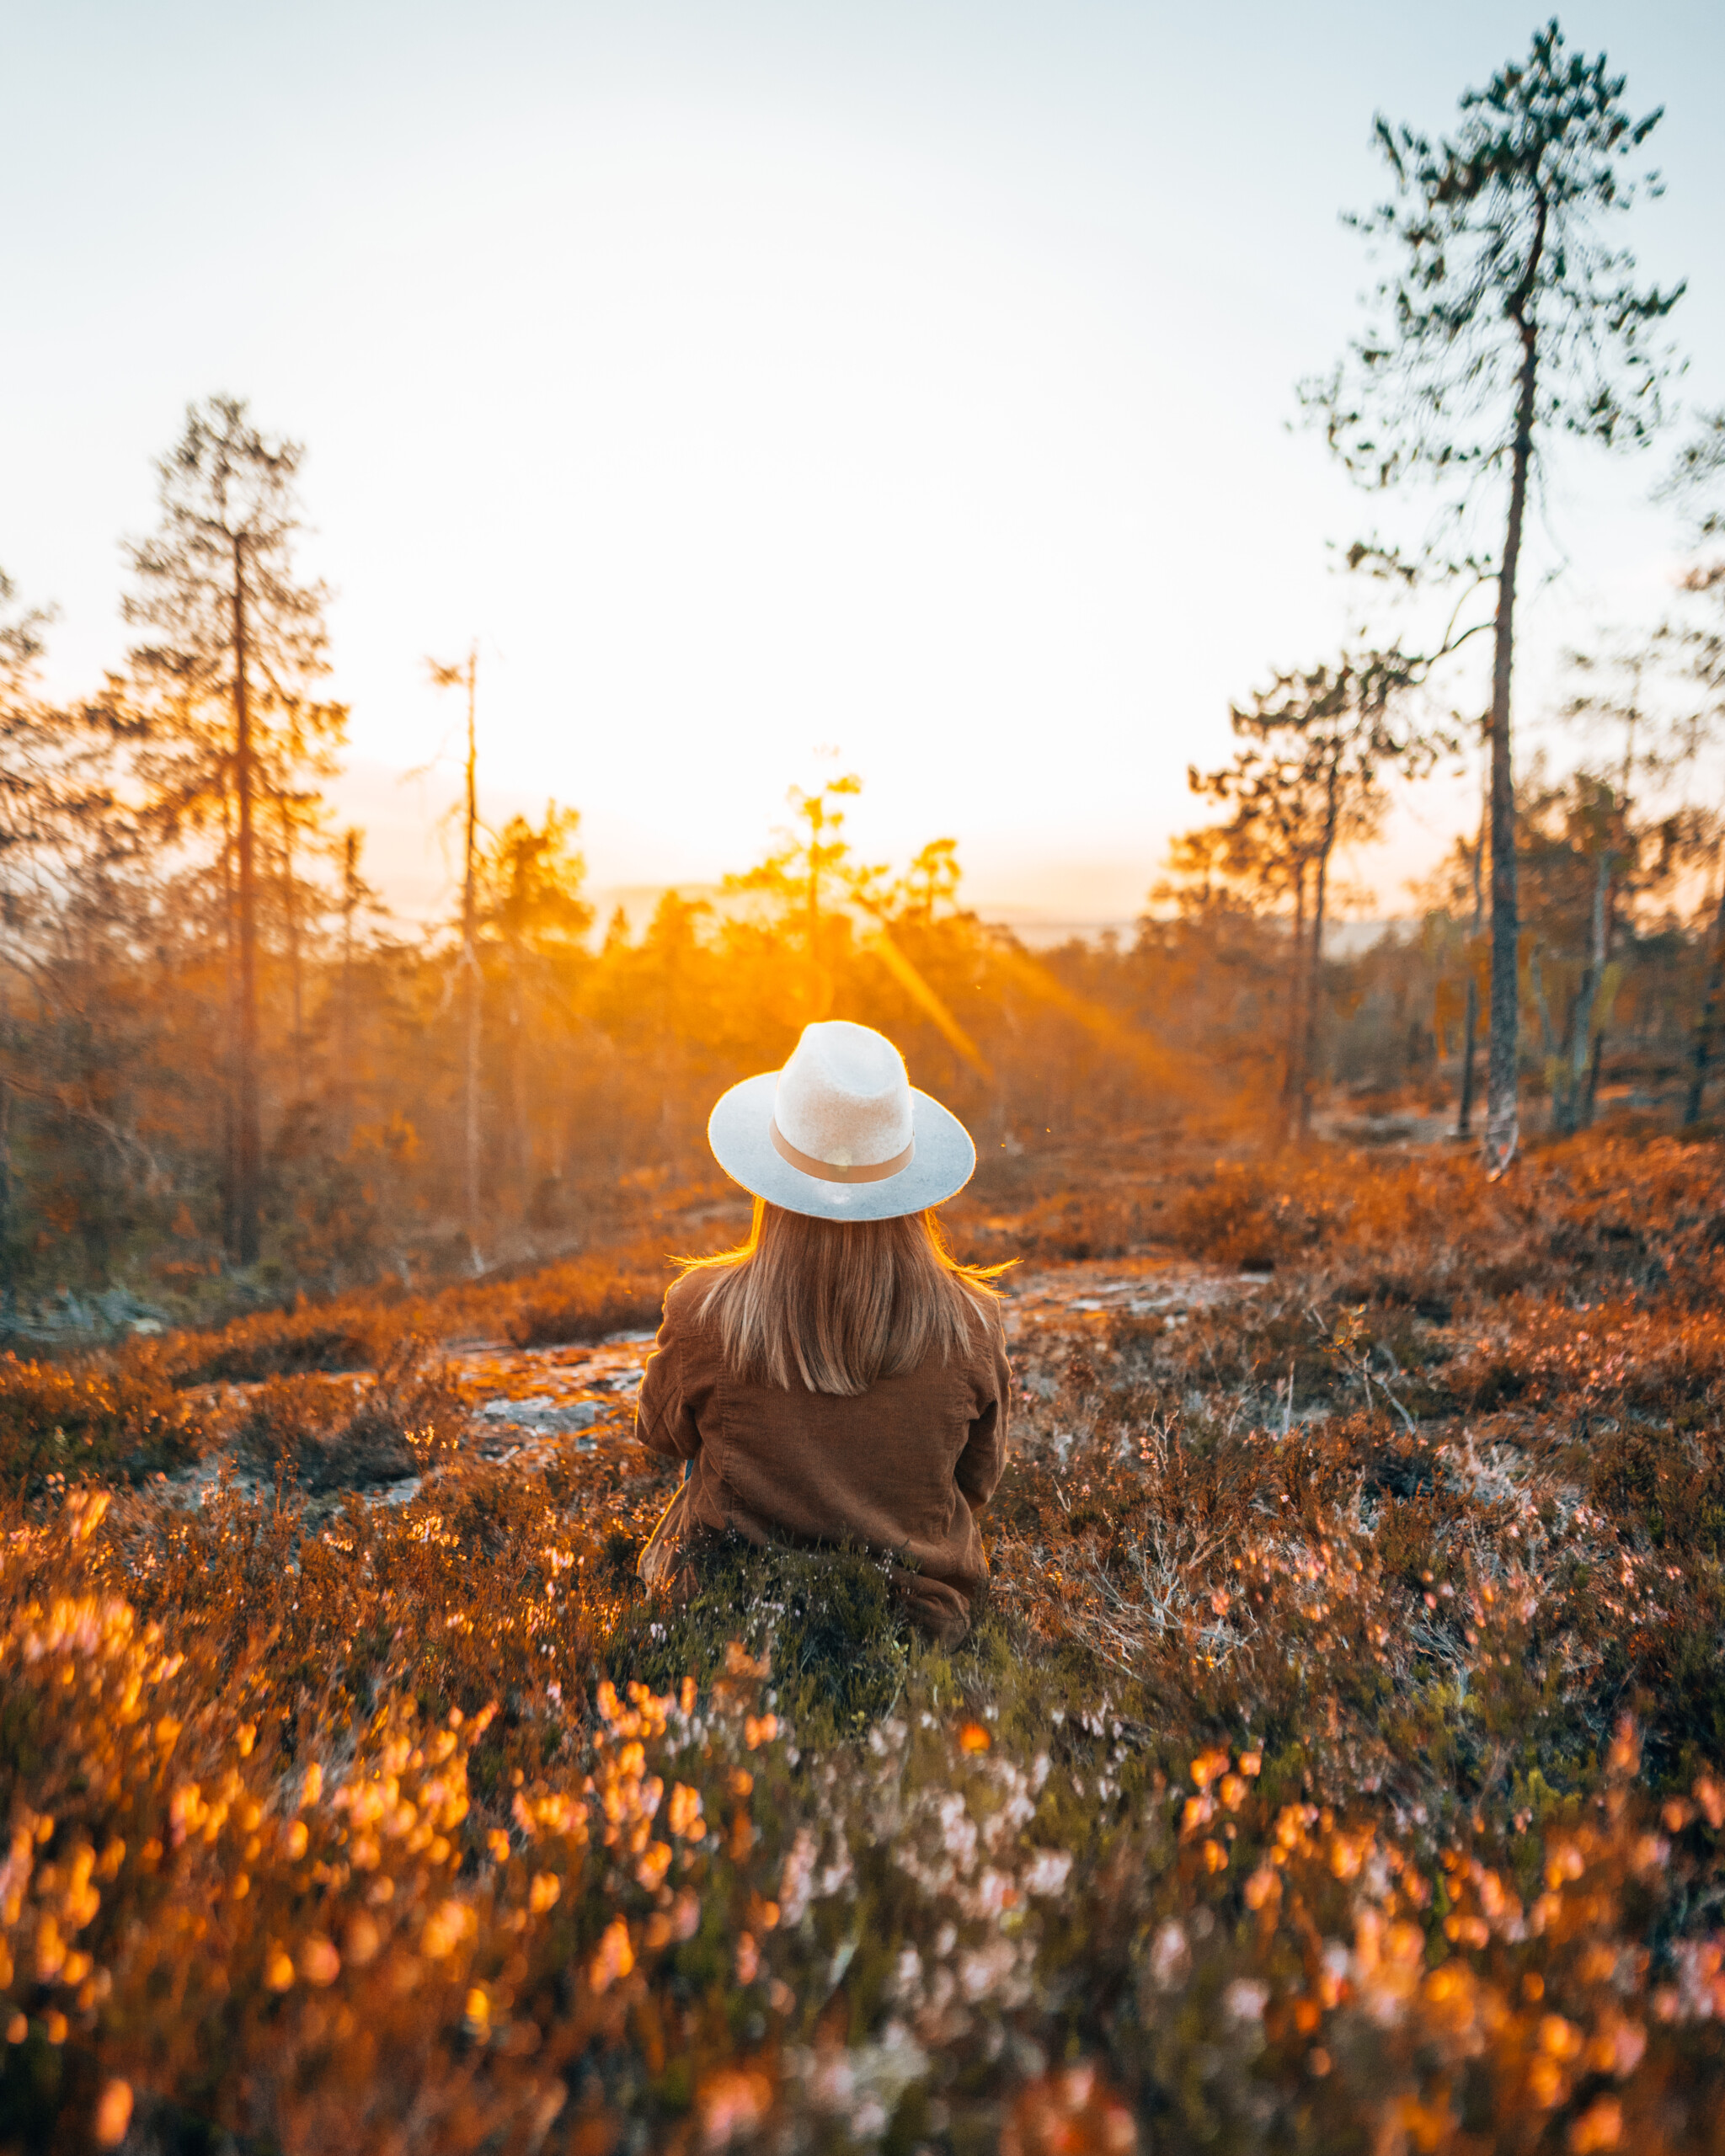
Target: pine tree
(1700,470)
(1503,321)
(59,819)
(1317,746)
(225,680)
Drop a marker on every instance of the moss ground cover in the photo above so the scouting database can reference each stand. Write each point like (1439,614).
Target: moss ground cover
(1338,1764)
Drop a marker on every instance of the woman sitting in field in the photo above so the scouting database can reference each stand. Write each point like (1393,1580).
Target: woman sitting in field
(840,1378)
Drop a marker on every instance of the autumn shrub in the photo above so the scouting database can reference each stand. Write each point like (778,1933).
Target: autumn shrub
(316,1431)
(580,1300)
(587,1909)
(1236,1215)
(1660,1359)
(1080,1225)
(68,1424)
(1337,1763)
(353,1333)
(584,1299)
(1600,1216)
(1670,1483)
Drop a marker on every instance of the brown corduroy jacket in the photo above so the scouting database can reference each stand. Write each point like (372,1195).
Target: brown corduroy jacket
(902,1468)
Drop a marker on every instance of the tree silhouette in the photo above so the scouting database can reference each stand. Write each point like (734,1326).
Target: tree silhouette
(1309,778)
(1503,319)
(1700,467)
(465,676)
(225,680)
(530,903)
(807,878)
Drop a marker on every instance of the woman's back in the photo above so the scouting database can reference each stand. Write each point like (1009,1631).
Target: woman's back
(898,1468)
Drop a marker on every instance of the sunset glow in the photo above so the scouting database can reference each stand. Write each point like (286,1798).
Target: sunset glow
(862,1079)
(748,380)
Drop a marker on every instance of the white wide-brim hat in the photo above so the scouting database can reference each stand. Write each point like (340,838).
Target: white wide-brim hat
(841,1132)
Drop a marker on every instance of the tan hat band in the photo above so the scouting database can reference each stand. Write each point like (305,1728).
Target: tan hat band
(876,1171)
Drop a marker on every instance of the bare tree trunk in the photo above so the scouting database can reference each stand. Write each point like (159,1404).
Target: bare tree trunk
(1470,1038)
(1470,1043)
(470,983)
(1502,1129)
(1314,951)
(291,906)
(1554,1063)
(230,1036)
(521,1148)
(248,1142)
(1581,1024)
(1708,1023)
(1590,1091)
(349,903)
(1292,1083)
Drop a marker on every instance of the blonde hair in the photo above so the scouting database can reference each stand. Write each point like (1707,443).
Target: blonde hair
(842,1303)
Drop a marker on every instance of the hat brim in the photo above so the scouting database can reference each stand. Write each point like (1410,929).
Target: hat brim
(740,1131)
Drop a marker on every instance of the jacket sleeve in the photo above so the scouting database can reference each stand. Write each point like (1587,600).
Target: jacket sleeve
(665,1418)
(984,1459)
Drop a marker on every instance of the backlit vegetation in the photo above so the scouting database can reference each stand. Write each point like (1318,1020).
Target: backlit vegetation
(1337,1765)
(1339,1762)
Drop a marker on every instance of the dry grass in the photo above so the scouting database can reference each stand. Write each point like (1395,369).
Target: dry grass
(1337,1771)
(582,1299)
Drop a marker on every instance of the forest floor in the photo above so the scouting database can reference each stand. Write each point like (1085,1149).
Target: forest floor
(1339,1762)
(524,1407)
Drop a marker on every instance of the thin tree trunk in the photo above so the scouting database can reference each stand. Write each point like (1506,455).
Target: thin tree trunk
(1503,1131)
(1581,1029)
(1464,1114)
(1548,1039)
(1469,1042)
(294,972)
(230,1037)
(1708,1023)
(1293,1087)
(1314,963)
(247,1143)
(1590,1091)
(349,902)
(471,983)
(1315,952)
(521,1148)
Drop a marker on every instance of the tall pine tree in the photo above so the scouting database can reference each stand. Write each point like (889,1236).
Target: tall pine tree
(226,678)
(1504,319)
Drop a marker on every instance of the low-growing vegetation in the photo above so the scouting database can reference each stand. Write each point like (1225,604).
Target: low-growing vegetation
(582,1299)
(1337,1765)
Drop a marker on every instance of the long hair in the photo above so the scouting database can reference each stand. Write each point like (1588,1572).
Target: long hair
(841,1303)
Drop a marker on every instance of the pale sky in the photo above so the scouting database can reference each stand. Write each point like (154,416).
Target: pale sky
(911,377)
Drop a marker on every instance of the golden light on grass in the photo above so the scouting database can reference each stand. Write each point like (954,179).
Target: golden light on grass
(615,1958)
(626,1821)
(113,2114)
